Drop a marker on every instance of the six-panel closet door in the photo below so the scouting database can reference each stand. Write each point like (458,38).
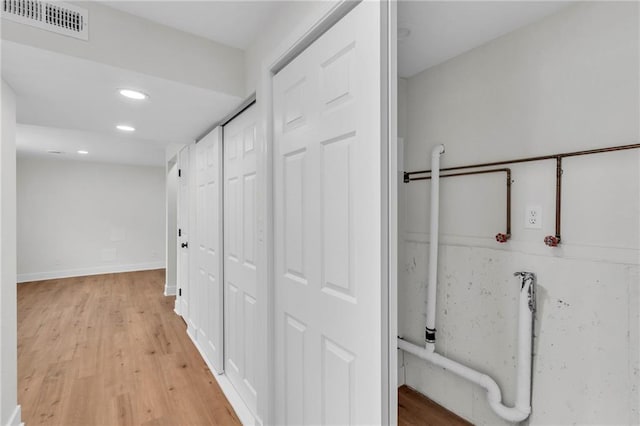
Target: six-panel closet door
(328,235)
(240,251)
(192,293)
(329,227)
(207,248)
(184,229)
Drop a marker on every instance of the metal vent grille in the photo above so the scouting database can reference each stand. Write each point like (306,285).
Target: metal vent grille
(58,17)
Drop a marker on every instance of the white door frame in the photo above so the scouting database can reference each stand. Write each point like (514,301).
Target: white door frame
(171,218)
(393,177)
(304,35)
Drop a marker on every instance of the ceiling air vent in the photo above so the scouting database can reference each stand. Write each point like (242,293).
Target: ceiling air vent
(58,17)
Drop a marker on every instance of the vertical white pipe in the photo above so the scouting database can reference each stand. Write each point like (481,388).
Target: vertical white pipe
(522,407)
(525,329)
(432,283)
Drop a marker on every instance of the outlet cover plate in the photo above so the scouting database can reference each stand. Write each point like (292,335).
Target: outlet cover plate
(533,217)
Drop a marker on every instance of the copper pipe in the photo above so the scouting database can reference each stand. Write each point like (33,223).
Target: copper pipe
(509,203)
(500,237)
(550,240)
(529,159)
(558,195)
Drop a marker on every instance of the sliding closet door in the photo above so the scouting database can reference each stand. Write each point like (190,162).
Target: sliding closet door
(208,247)
(193,291)
(240,310)
(329,266)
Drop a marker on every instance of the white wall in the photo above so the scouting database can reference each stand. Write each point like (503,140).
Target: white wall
(566,83)
(172,150)
(282,32)
(9,410)
(78,218)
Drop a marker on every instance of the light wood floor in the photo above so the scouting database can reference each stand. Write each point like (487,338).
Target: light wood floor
(109,350)
(416,409)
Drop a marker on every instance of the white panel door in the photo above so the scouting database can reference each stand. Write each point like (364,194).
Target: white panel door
(240,309)
(182,304)
(328,227)
(208,247)
(193,291)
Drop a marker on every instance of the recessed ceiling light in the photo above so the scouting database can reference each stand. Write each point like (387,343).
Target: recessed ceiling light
(133,94)
(125,128)
(83,152)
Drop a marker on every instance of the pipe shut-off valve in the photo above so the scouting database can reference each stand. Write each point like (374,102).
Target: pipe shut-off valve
(528,284)
(552,241)
(502,238)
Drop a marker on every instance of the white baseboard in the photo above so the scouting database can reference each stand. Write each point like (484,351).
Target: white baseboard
(111,269)
(242,411)
(402,371)
(401,376)
(191,332)
(170,289)
(16,417)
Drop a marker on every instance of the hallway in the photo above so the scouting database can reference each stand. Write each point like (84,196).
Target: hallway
(107,350)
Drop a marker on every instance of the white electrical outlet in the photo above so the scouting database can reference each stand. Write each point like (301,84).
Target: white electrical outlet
(533,217)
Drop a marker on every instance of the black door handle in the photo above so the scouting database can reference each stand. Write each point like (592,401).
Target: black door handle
(184,245)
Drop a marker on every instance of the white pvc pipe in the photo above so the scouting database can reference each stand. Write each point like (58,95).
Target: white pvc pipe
(432,283)
(522,407)
(525,341)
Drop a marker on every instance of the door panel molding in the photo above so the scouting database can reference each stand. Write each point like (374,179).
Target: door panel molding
(241,301)
(330,227)
(208,248)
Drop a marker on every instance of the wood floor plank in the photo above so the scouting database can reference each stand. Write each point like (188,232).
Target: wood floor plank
(109,350)
(416,409)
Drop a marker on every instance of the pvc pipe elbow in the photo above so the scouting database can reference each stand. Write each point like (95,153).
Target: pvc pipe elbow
(437,150)
(494,398)
(513,415)
(493,390)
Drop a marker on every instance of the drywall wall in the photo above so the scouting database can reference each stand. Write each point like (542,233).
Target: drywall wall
(127,41)
(9,409)
(565,83)
(403,112)
(77,218)
(172,150)
(292,22)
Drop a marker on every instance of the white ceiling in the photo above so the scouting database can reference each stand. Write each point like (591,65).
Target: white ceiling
(441,30)
(234,23)
(37,140)
(65,92)
(57,92)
